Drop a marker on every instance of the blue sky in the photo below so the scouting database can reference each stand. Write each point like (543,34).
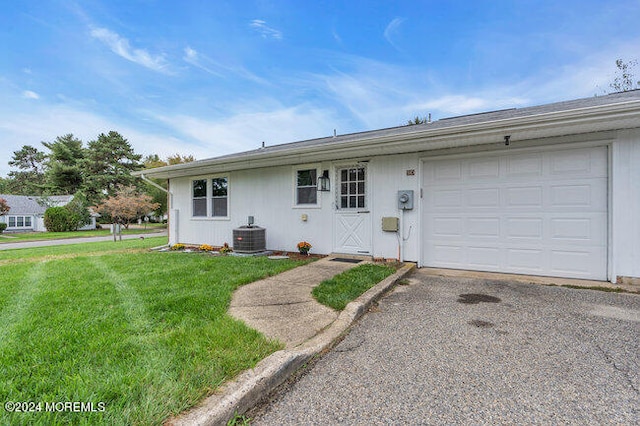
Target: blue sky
(211,77)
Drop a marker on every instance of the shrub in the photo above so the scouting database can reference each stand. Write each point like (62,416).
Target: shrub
(3,226)
(59,219)
(225,249)
(178,247)
(206,247)
(79,213)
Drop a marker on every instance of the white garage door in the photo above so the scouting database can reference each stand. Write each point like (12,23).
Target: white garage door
(540,213)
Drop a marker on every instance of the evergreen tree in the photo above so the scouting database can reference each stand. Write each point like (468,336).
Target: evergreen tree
(108,164)
(64,174)
(29,178)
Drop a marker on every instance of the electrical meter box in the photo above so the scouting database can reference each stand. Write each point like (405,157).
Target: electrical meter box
(390,224)
(405,199)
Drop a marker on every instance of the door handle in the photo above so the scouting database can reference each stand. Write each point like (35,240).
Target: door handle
(364,211)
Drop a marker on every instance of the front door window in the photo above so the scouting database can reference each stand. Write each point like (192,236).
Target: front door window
(352,188)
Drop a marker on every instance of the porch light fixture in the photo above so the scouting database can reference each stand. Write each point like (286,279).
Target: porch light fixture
(323,181)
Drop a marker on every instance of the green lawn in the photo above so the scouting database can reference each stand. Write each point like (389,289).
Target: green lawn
(14,237)
(338,291)
(144,333)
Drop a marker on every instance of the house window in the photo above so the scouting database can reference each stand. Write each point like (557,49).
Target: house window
(19,222)
(306,187)
(200,198)
(219,197)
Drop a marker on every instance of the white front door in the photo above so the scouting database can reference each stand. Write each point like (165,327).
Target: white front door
(352,227)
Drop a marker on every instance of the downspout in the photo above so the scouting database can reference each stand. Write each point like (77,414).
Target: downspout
(169,193)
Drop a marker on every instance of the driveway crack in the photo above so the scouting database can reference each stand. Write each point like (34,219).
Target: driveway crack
(611,361)
(272,304)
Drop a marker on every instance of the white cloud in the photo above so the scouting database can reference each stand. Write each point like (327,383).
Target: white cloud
(336,36)
(247,130)
(121,47)
(18,128)
(264,30)
(205,63)
(192,57)
(392,29)
(28,94)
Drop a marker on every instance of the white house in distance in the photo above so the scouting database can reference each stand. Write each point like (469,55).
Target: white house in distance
(547,190)
(27,213)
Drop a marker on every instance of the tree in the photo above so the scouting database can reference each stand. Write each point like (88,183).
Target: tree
(625,80)
(126,205)
(178,159)
(29,179)
(5,185)
(64,173)
(417,120)
(78,208)
(159,196)
(4,207)
(108,164)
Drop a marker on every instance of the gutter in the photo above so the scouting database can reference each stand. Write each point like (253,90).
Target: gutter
(152,183)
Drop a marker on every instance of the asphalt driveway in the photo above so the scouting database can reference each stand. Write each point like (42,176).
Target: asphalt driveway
(471,351)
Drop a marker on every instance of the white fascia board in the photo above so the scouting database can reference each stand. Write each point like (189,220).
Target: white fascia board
(583,120)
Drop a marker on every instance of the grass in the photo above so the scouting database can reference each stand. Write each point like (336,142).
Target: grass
(338,291)
(144,333)
(597,288)
(15,237)
(98,248)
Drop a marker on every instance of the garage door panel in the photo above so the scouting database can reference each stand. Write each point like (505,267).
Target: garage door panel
(483,257)
(524,227)
(448,227)
(484,169)
(444,199)
(539,213)
(448,256)
(483,227)
(526,196)
(531,260)
(524,165)
(574,262)
(483,197)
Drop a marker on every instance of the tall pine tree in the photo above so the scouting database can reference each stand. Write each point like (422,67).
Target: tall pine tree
(108,164)
(64,174)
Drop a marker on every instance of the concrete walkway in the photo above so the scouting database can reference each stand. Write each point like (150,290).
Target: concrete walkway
(282,307)
(65,241)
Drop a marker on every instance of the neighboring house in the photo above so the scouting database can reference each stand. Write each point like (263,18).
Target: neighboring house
(27,214)
(547,190)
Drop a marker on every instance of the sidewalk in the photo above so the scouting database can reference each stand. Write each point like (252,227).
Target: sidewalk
(64,241)
(282,308)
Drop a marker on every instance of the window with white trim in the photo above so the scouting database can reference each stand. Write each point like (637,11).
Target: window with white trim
(306,187)
(199,192)
(219,197)
(19,221)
